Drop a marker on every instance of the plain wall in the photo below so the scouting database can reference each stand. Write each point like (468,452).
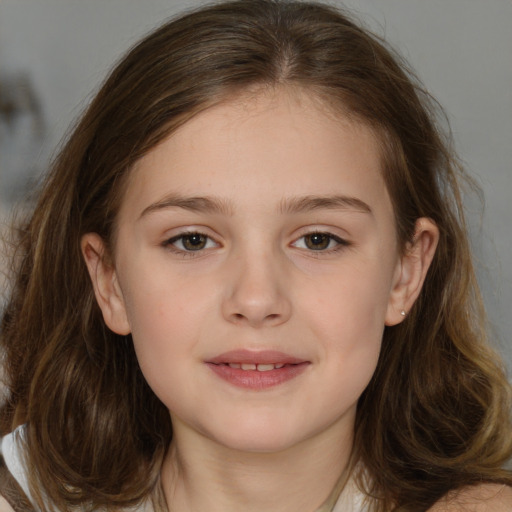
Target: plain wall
(461,49)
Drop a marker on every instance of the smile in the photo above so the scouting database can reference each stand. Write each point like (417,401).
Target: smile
(258,367)
(257,370)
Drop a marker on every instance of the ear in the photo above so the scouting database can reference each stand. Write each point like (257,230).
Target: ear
(412,270)
(106,286)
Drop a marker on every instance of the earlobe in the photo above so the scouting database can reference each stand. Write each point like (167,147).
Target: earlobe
(412,270)
(106,286)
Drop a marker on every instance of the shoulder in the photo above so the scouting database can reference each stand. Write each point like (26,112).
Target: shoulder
(478,498)
(4,506)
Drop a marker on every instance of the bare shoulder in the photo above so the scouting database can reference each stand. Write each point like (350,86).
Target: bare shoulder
(4,506)
(478,498)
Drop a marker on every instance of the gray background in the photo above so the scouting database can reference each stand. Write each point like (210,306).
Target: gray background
(461,49)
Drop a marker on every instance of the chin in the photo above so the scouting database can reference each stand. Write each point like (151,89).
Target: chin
(261,444)
(257,437)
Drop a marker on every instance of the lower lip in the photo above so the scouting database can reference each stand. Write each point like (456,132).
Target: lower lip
(253,379)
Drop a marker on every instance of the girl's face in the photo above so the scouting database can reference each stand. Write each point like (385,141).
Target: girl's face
(256,265)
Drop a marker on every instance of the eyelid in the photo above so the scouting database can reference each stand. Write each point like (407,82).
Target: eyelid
(340,242)
(169,243)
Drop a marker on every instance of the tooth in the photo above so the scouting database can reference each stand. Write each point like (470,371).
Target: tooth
(248,366)
(265,367)
(279,366)
(234,365)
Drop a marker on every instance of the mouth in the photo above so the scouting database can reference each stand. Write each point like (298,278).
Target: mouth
(257,370)
(258,367)
(250,358)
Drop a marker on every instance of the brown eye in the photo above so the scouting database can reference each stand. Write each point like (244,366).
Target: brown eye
(190,242)
(317,241)
(194,242)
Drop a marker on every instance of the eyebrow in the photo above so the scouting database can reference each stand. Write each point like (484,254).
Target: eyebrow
(195,204)
(331,202)
(290,205)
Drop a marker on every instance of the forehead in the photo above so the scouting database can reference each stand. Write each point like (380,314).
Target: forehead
(264,146)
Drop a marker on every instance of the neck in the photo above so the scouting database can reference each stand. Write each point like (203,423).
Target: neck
(200,475)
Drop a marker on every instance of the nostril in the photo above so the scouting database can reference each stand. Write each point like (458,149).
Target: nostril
(267,310)
(240,317)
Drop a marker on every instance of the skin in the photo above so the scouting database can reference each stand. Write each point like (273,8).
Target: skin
(259,285)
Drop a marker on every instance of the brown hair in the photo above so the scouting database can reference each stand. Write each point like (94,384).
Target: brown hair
(436,415)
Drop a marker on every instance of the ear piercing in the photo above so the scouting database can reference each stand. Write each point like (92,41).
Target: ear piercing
(402,312)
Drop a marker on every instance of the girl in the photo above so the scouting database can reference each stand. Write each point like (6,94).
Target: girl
(246,285)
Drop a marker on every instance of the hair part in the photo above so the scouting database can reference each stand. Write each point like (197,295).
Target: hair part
(436,414)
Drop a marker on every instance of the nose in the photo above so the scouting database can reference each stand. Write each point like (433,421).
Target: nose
(257,294)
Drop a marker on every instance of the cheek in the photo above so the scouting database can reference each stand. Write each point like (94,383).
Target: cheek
(348,319)
(167,318)
(351,306)
(345,322)
(159,302)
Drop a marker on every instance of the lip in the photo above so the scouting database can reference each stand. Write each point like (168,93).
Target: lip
(255,357)
(253,379)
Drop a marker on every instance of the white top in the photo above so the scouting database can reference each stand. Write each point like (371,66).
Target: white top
(350,500)
(10,450)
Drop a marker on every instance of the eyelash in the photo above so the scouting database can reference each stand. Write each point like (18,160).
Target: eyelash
(190,253)
(340,243)
(187,253)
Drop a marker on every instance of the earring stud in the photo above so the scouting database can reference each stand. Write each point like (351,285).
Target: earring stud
(402,312)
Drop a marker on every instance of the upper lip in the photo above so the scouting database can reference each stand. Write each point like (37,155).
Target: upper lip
(244,356)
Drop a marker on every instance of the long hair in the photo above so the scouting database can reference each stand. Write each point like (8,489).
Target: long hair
(436,415)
